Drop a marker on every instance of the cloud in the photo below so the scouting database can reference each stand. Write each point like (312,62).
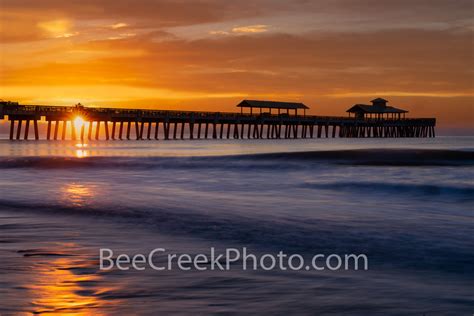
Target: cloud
(118,25)
(240,30)
(121,36)
(147,13)
(370,94)
(259,28)
(219,33)
(67,35)
(56,28)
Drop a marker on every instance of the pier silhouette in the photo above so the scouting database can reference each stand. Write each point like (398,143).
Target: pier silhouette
(270,120)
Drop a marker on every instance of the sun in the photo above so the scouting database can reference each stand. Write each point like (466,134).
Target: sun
(78,122)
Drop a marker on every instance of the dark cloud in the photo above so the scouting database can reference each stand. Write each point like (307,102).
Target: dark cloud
(159,12)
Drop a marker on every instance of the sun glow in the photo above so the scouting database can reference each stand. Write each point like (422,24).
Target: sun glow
(78,122)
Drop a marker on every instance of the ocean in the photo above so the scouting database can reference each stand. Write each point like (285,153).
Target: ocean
(407,204)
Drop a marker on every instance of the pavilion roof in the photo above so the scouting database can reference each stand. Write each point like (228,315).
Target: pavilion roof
(271,104)
(375,109)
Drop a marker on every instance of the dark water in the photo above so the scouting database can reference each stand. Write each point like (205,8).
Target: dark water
(406,204)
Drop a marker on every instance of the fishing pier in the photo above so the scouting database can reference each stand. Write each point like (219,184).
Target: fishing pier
(256,120)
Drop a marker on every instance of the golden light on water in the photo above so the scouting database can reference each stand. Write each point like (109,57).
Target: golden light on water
(81,153)
(67,284)
(81,150)
(75,194)
(58,290)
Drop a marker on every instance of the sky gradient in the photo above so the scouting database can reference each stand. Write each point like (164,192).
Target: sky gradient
(208,55)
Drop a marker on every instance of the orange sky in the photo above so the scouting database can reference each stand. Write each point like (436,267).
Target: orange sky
(211,54)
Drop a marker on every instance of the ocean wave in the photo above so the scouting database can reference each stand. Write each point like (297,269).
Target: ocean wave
(368,157)
(382,157)
(395,188)
(306,236)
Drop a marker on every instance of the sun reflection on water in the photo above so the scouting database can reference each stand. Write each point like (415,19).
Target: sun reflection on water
(77,194)
(66,286)
(81,150)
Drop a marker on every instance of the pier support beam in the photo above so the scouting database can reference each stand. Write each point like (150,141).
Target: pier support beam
(18,131)
(139,130)
(89,132)
(166,127)
(12,128)
(113,130)
(27,127)
(56,129)
(106,126)
(48,131)
(35,125)
(214,130)
(175,130)
(148,132)
(97,131)
(129,127)
(63,131)
(157,124)
(191,130)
